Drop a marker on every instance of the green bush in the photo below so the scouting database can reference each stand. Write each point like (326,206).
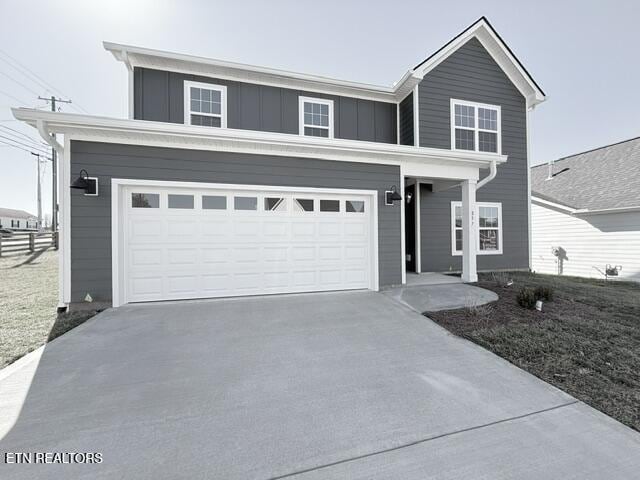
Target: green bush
(526,298)
(544,293)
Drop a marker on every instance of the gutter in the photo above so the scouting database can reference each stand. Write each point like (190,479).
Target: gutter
(493,170)
(584,211)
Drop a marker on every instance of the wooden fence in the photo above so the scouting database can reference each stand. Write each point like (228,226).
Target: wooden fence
(27,242)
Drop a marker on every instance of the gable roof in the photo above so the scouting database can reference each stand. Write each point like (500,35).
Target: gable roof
(604,178)
(481,29)
(498,49)
(11,213)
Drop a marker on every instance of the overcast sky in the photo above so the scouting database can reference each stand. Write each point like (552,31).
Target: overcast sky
(584,54)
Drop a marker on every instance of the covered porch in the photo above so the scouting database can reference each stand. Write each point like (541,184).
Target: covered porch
(467,178)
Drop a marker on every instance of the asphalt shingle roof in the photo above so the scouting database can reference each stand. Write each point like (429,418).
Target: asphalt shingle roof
(607,177)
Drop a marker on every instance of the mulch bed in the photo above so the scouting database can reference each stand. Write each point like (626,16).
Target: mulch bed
(585,342)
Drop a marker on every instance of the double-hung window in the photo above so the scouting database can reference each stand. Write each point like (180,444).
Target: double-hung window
(316,117)
(489,228)
(205,104)
(475,127)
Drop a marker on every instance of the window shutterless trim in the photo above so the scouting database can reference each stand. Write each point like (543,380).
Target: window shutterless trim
(497,205)
(323,101)
(476,129)
(208,86)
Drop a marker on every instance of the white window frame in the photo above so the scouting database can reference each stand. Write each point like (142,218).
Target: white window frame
(209,86)
(497,205)
(302,125)
(476,129)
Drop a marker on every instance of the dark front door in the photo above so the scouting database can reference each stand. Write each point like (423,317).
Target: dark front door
(410,227)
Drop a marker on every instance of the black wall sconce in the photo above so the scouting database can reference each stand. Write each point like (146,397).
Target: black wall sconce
(391,196)
(86,183)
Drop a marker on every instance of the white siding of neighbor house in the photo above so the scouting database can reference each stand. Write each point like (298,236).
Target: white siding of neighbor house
(589,242)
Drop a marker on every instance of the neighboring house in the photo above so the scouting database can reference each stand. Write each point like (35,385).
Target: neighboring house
(586,213)
(17,219)
(230,179)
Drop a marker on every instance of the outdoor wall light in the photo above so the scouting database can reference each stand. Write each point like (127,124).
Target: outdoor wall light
(86,183)
(391,196)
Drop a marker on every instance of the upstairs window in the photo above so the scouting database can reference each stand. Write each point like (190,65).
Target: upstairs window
(205,104)
(475,127)
(316,117)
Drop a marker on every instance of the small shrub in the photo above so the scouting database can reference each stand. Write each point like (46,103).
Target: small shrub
(526,298)
(500,278)
(544,292)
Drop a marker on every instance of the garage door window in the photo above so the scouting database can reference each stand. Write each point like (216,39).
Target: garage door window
(214,202)
(145,200)
(181,201)
(275,204)
(355,206)
(304,204)
(245,203)
(329,205)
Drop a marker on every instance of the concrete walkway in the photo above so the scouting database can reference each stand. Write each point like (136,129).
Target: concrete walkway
(324,386)
(434,296)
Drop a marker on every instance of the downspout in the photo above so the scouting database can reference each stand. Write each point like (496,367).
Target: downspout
(42,130)
(127,61)
(493,170)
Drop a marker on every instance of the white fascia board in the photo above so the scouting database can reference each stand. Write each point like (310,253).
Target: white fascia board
(557,206)
(498,51)
(584,211)
(195,65)
(143,132)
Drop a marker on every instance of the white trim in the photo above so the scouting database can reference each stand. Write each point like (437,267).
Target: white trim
(207,86)
(416,118)
(143,132)
(500,54)
(97,188)
(321,101)
(118,203)
(64,184)
(190,64)
(529,224)
(457,253)
(418,241)
(583,211)
(398,123)
(403,247)
(476,129)
(558,206)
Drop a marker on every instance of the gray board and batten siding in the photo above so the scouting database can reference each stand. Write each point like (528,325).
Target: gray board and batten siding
(471,74)
(91,216)
(159,96)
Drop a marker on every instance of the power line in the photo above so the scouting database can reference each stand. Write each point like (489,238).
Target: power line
(28,150)
(35,140)
(43,83)
(14,132)
(19,83)
(13,97)
(26,145)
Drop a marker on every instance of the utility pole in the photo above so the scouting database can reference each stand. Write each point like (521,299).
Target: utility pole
(39,193)
(54,168)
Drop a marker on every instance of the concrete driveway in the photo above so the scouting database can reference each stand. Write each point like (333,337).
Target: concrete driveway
(324,386)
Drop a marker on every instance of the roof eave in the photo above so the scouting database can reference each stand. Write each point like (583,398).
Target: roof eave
(185,136)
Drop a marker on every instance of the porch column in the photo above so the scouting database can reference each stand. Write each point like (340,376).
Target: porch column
(469,227)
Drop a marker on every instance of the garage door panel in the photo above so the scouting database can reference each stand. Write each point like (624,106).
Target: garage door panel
(260,244)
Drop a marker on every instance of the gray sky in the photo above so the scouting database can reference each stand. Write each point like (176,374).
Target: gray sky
(584,54)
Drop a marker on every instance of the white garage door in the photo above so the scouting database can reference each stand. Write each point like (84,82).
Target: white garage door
(182,243)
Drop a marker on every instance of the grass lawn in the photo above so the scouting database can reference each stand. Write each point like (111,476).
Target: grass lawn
(28,303)
(586,341)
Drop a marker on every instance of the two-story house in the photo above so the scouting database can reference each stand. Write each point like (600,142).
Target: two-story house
(230,179)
